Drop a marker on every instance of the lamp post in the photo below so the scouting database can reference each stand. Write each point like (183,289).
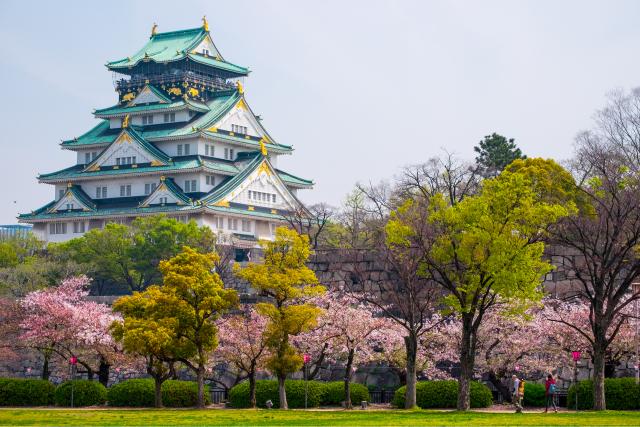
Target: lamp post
(73,363)
(306,359)
(635,287)
(576,356)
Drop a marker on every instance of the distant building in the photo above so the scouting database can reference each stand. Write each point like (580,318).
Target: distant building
(14,230)
(183,141)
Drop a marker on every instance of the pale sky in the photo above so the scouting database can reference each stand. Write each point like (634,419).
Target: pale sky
(359,88)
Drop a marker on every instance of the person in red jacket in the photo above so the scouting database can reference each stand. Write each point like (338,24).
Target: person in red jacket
(549,392)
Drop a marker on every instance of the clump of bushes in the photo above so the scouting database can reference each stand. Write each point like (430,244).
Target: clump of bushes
(533,395)
(268,390)
(141,393)
(619,393)
(334,393)
(85,393)
(26,392)
(444,394)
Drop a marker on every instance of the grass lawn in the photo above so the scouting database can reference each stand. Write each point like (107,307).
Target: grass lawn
(133,417)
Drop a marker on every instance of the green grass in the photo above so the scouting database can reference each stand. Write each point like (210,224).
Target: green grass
(109,417)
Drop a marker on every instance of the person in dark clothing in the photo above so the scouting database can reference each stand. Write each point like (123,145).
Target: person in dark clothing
(549,392)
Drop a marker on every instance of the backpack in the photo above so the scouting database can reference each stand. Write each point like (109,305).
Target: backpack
(552,388)
(521,388)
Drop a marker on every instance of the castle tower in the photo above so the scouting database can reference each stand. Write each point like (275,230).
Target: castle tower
(182,141)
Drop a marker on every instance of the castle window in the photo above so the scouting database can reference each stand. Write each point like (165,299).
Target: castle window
(179,149)
(169,117)
(273,197)
(87,158)
(239,129)
(162,200)
(60,194)
(187,149)
(125,190)
(205,52)
(147,120)
(101,192)
(78,227)
(232,224)
(58,228)
(210,180)
(189,186)
(149,187)
(94,155)
(226,153)
(246,225)
(69,206)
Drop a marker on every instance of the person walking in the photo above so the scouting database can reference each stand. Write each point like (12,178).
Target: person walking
(517,395)
(550,393)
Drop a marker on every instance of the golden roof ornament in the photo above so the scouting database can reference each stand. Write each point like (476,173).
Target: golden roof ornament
(69,185)
(240,87)
(125,122)
(205,24)
(263,148)
(154,29)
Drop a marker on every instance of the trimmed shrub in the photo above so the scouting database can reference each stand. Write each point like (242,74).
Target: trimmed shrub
(136,392)
(181,394)
(268,390)
(533,395)
(334,393)
(26,392)
(444,394)
(85,393)
(619,393)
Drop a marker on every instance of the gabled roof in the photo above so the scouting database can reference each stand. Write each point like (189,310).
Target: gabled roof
(130,134)
(161,97)
(123,110)
(74,193)
(230,184)
(167,185)
(175,46)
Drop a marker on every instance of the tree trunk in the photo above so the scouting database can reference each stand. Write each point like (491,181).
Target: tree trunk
(200,378)
(411,344)
(502,389)
(103,372)
(599,403)
(347,380)
(282,392)
(45,367)
(252,388)
(466,364)
(158,392)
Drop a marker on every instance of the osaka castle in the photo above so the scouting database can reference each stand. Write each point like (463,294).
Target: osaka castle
(182,141)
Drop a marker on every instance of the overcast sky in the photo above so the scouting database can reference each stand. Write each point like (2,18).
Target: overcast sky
(359,88)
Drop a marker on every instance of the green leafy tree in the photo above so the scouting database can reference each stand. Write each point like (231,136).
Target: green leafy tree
(145,331)
(485,252)
(193,294)
(130,255)
(495,152)
(287,281)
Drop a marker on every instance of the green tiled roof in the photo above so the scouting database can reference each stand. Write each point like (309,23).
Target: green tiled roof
(175,46)
(146,145)
(82,197)
(218,107)
(227,186)
(157,92)
(287,178)
(120,110)
(125,211)
(224,167)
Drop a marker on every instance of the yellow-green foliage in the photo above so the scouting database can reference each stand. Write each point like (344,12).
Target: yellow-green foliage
(284,276)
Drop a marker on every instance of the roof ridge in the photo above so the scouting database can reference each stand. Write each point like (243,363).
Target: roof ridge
(178,32)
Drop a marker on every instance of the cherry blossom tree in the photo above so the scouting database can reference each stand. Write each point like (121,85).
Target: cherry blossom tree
(61,321)
(243,344)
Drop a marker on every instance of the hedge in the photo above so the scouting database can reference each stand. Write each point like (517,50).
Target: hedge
(444,394)
(268,390)
(619,393)
(26,392)
(182,394)
(141,393)
(533,395)
(85,393)
(334,393)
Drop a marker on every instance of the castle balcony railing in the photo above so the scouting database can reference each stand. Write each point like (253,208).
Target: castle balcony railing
(176,77)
